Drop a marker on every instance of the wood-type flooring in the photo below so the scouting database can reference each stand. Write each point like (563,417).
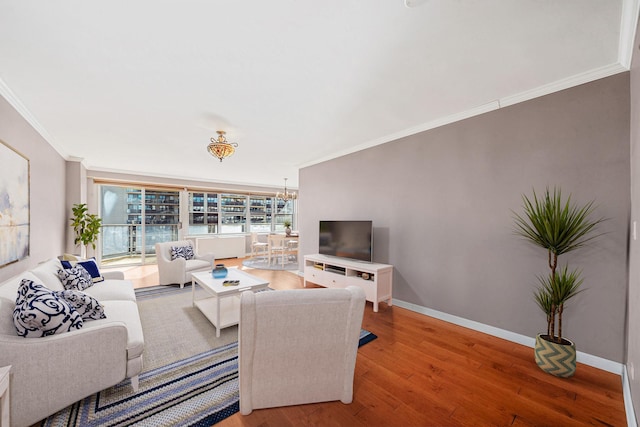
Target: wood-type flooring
(426,372)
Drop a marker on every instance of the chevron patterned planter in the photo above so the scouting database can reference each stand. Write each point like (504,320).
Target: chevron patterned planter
(556,359)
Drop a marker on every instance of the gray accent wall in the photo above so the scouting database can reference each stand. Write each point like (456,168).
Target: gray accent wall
(441,202)
(47,190)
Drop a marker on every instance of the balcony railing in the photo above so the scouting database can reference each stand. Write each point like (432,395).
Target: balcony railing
(125,240)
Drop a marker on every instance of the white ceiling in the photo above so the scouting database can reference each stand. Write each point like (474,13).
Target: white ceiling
(141,86)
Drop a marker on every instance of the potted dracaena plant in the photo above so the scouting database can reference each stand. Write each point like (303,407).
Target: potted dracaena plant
(558,227)
(86,227)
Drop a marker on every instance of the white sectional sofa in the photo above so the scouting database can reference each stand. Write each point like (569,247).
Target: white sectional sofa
(52,372)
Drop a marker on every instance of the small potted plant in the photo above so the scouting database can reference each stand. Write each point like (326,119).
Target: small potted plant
(86,227)
(558,227)
(287,227)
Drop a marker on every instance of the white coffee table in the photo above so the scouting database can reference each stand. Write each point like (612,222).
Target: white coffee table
(222,306)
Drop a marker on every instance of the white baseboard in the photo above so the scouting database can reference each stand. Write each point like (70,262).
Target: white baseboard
(587,359)
(628,403)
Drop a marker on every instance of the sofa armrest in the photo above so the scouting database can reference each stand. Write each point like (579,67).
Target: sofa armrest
(76,364)
(115,275)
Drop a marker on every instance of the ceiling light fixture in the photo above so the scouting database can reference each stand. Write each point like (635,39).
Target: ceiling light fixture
(286,195)
(220,148)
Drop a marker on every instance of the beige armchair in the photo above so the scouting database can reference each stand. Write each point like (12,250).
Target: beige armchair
(298,346)
(179,270)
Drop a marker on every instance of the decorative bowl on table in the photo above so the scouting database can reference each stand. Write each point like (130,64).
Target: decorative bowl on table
(219,272)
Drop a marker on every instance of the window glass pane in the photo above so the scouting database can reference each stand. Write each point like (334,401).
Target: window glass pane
(260,214)
(121,213)
(203,213)
(284,212)
(162,214)
(233,213)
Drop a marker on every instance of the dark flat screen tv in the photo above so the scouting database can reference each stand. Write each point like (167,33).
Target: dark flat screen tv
(347,239)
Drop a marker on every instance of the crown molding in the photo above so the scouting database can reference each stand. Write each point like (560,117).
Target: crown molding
(556,86)
(13,100)
(628,25)
(441,121)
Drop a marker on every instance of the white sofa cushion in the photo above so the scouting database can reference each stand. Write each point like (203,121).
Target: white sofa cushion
(9,288)
(112,290)
(7,327)
(126,312)
(47,272)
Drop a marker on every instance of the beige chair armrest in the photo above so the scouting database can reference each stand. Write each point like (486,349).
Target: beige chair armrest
(209,257)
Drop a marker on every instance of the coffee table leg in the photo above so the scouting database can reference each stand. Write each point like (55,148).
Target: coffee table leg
(218,317)
(193,292)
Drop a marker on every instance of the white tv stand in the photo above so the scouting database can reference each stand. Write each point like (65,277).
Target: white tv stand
(333,272)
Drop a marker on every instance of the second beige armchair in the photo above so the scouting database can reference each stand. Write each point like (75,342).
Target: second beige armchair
(178,270)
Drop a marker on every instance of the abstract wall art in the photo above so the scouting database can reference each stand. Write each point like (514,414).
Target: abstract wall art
(14,205)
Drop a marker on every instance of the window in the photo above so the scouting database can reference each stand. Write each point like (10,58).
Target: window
(228,213)
(134,220)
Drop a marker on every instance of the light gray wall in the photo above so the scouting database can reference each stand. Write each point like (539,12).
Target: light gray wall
(47,189)
(441,204)
(76,192)
(633,304)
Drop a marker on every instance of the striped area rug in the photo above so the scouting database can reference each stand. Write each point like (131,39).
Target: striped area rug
(198,390)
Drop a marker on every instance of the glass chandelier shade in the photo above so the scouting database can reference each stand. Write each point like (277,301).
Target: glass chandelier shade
(220,147)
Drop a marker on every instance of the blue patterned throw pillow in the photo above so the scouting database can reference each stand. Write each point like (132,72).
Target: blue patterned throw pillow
(91,265)
(188,252)
(185,252)
(87,306)
(39,312)
(77,278)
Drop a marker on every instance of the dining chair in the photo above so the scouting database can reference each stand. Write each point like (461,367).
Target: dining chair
(290,251)
(276,246)
(258,247)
